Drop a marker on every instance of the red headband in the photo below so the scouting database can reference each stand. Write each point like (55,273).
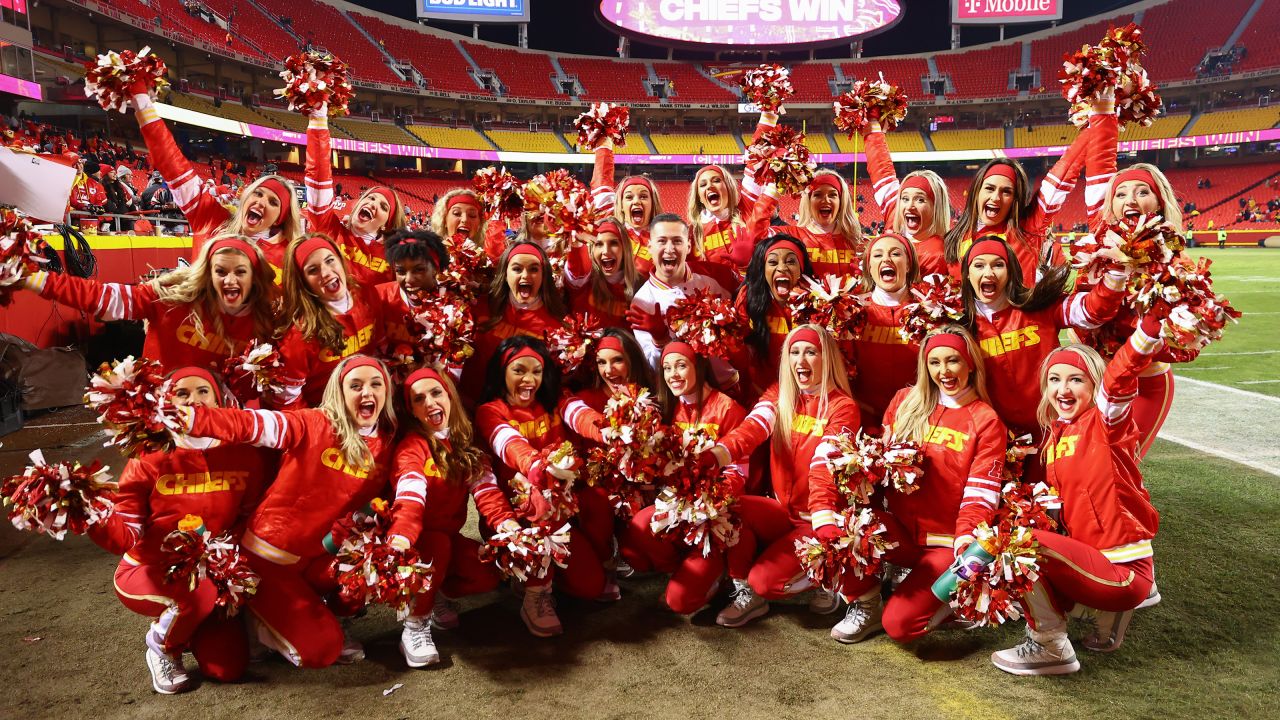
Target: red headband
(713,169)
(308,246)
(678,347)
(989,247)
(782,244)
(902,240)
(462,199)
(524,248)
(636,180)
(514,354)
(828,179)
(1003,170)
(1135,174)
(1063,356)
(234,243)
(919,182)
(806,334)
(282,194)
(391,199)
(951,341)
(425,373)
(193,371)
(609,342)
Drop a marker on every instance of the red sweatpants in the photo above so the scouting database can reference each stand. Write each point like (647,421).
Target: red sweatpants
(595,518)
(1151,407)
(457,568)
(1076,572)
(185,620)
(290,604)
(776,572)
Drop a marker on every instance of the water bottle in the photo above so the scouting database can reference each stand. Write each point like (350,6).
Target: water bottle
(971,562)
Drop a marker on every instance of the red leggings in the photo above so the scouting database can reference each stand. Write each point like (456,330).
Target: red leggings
(692,575)
(776,572)
(595,519)
(1076,572)
(457,568)
(185,619)
(1151,407)
(290,605)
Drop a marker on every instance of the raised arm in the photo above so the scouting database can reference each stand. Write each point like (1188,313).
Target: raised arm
(106,301)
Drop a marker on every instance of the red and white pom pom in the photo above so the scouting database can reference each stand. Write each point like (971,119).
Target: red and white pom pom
(59,498)
(371,571)
(859,551)
(21,252)
(470,269)
(258,367)
(184,553)
(1138,100)
(858,462)
(709,323)
(1112,66)
(992,595)
(779,156)
(1015,456)
(695,506)
(938,303)
(869,100)
(112,78)
(560,463)
(528,553)
(132,399)
(1198,315)
(501,192)
(228,568)
(1027,505)
(768,86)
(445,331)
(900,465)
(573,342)
(636,451)
(312,80)
(831,303)
(1142,246)
(603,121)
(564,201)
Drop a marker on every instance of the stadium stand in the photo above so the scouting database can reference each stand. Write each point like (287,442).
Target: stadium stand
(812,81)
(1186,29)
(1259,39)
(689,144)
(967,139)
(435,57)
(980,73)
(1236,120)
(374,132)
(816,141)
(635,144)
(1047,52)
(173,12)
(463,137)
(524,74)
(687,85)
(263,32)
(903,72)
(1037,136)
(607,80)
(526,141)
(901,140)
(327,27)
(1165,126)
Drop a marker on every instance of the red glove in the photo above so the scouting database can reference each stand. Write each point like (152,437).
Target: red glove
(652,323)
(343,528)
(536,507)
(1154,319)
(138,87)
(828,533)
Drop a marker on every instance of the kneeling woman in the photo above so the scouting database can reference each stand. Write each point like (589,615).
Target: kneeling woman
(156,491)
(436,468)
(1103,560)
(335,462)
(811,399)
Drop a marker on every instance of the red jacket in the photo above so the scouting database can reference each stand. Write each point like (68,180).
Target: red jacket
(1092,461)
(307,364)
(516,435)
(425,500)
(87,193)
(886,363)
(717,414)
(605,198)
(792,471)
(314,487)
(222,485)
(761,372)
(885,186)
(582,298)
(830,253)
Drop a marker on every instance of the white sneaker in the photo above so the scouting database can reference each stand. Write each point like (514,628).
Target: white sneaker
(1039,654)
(1107,630)
(1153,598)
(624,569)
(743,608)
(352,650)
(861,619)
(416,643)
(168,674)
(611,592)
(823,602)
(444,614)
(539,612)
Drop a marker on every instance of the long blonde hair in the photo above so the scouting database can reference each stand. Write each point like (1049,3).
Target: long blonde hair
(846,215)
(303,308)
(355,451)
(397,219)
(292,226)
(620,213)
(1170,210)
(695,206)
(463,460)
(1096,367)
(626,263)
(911,421)
(438,215)
(834,375)
(941,206)
(193,286)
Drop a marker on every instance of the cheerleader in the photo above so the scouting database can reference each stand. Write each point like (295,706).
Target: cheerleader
(689,404)
(416,258)
(436,467)
(946,411)
(602,276)
(634,204)
(197,315)
(829,227)
(810,400)
(917,208)
(778,266)
(327,316)
(1102,558)
(377,213)
(518,416)
(335,462)
(219,483)
(268,212)
(889,269)
(718,209)
(459,216)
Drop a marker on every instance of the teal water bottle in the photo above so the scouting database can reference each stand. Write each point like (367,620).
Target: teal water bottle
(974,558)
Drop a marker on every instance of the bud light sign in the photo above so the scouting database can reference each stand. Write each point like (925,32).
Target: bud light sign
(474,11)
(1004,12)
(750,23)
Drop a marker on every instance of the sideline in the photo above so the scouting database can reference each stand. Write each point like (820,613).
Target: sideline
(1226,422)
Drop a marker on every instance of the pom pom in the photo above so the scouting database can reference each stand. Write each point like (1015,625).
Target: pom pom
(604,121)
(833,304)
(1015,455)
(132,400)
(573,342)
(1198,315)
(869,100)
(59,498)
(258,369)
(858,462)
(636,451)
(112,78)
(1113,65)
(313,79)
(991,594)
(1027,505)
(938,303)
(561,472)
(501,192)
(444,329)
(709,323)
(370,571)
(695,506)
(565,203)
(859,551)
(21,252)
(527,553)
(779,156)
(194,554)
(1141,246)
(768,86)
(470,270)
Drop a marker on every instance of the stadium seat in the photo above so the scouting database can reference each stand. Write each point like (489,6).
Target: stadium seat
(980,73)
(525,141)
(610,80)
(1222,121)
(967,139)
(332,31)
(687,85)
(524,74)
(437,136)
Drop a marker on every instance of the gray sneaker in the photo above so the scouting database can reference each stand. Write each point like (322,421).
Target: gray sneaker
(416,643)
(168,675)
(823,602)
(352,650)
(1050,655)
(1107,631)
(743,608)
(861,620)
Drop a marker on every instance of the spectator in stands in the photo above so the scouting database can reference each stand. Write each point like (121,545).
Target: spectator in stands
(1222,237)
(87,195)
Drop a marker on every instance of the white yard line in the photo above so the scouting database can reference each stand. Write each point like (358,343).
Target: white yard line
(1226,422)
(1241,352)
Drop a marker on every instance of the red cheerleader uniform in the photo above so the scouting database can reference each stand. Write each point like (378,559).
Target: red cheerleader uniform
(582,298)
(222,485)
(760,372)
(886,363)
(314,487)
(886,189)
(830,253)
(604,197)
(308,365)
(515,321)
